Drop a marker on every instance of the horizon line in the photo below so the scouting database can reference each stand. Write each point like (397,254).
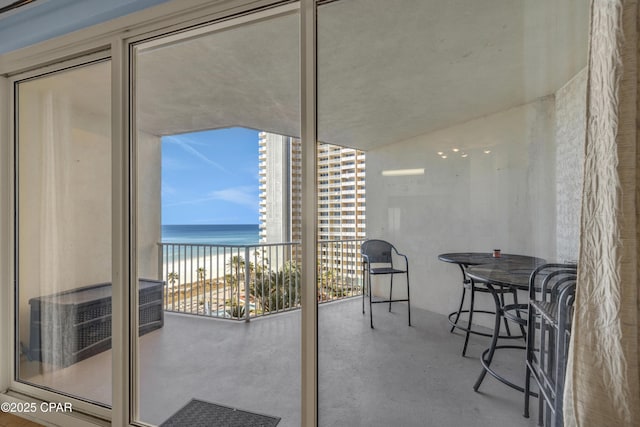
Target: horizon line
(244,223)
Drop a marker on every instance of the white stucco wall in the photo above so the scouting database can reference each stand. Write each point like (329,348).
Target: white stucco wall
(504,199)
(149,210)
(571,122)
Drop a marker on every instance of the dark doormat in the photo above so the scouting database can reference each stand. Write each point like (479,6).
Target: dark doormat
(198,413)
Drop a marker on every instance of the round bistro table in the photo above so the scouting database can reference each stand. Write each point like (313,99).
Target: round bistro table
(496,276)
(465,260)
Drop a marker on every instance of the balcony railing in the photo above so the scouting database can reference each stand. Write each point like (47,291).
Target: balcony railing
(217,280)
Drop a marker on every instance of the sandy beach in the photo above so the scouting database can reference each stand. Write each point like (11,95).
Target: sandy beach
(205,284)
(216,263)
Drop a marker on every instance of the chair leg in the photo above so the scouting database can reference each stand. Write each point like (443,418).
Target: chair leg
(390,293)
(469,323)
(504,319)
(529,356)
(494,338)
(527,387)
(408,299)
(370,305)
(515,301)
(455,322)
(364,288)
(540,410)
(370,310)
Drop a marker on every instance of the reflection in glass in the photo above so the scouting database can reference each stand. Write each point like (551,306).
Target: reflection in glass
(64,232)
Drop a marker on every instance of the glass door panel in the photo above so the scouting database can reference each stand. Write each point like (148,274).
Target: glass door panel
(471,117)
(63,232)
(218,232)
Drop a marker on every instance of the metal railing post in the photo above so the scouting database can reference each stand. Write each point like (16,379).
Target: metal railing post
(160,261)
(247,271)
(165,287)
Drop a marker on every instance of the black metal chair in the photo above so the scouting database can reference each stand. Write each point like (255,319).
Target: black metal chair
(551,296)
(377,259)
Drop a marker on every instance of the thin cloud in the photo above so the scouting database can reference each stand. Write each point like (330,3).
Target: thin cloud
(187,145)
(174,164)
(190,202)
(239,195)
(168,190)
(244,196)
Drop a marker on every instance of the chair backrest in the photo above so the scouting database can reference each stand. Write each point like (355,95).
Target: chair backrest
(549,280)
(377,251)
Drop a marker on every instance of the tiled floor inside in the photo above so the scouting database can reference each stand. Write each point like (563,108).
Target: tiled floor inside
(9,420)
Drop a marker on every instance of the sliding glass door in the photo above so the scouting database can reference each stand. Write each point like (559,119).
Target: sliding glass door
(471,117)
(216,227)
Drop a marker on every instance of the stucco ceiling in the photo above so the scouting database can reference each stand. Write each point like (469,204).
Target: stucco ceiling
(395,72)
(387,70)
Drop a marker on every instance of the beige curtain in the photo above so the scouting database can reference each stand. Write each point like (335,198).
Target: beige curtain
(602,387)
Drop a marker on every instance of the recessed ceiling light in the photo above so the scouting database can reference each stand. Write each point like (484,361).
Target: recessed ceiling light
(464,155)
(444,157)
(487,151)
(455,150)
(440,153)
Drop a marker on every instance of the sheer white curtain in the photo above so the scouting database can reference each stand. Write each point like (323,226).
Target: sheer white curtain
(603,383)
(55,209)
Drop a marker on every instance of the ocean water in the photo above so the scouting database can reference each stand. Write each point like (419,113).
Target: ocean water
(182,254)
(213,234)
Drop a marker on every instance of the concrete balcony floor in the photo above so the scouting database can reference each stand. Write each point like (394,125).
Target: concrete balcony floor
(390,375)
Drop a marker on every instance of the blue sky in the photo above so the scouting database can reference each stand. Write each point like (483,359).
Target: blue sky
(210,177)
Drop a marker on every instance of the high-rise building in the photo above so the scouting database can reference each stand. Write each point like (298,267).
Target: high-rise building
(341,212)
(341,199)
(280,170)
(341,191)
